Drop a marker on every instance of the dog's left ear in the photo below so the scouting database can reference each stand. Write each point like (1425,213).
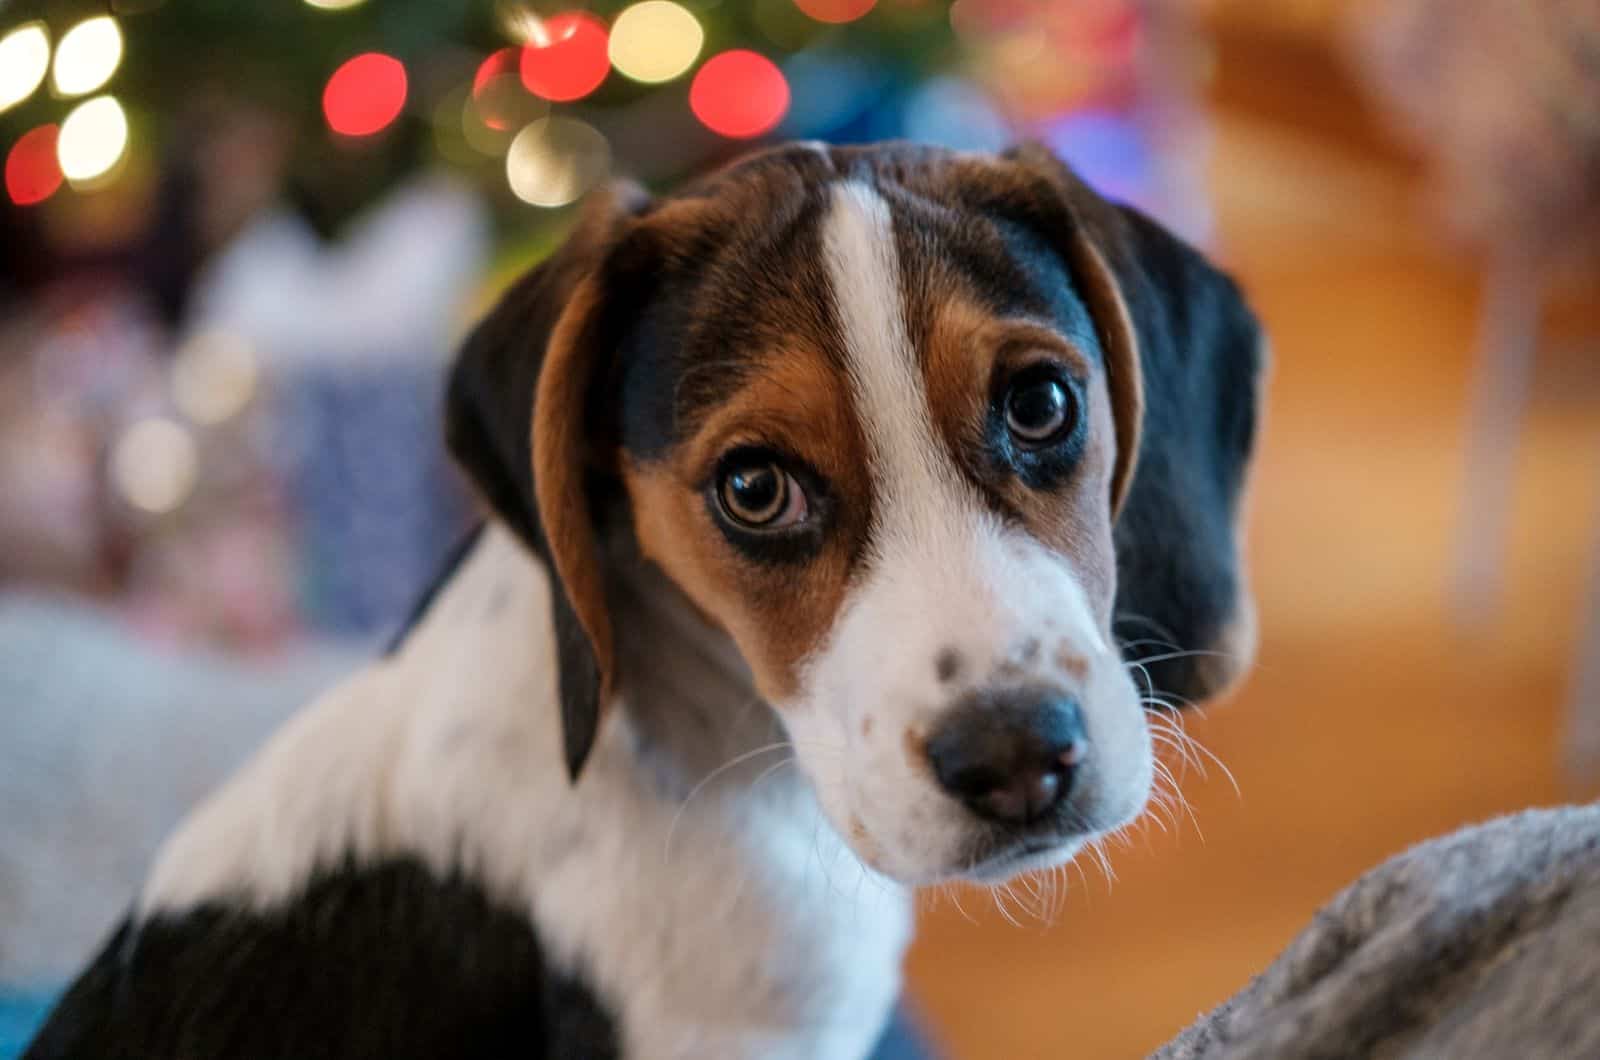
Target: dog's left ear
(525,420)
(1184,357)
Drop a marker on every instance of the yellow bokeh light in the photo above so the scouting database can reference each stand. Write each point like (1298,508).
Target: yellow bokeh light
(24,59)
(214,376)
(93,139)
(554,160)
(482,138)
(155,464)
(655,41)
(334,5)
(87,56)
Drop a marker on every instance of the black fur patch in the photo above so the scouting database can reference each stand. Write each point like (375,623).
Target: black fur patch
(1177,560)
(716,312)
(387,962)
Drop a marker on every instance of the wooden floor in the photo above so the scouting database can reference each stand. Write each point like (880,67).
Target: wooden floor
(1372,720)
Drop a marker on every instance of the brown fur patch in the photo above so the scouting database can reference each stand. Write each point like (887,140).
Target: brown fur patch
(777,614)
(1072,664)
(559,444)
(915,745)
(1076,522)
(967,345)
(1125,378)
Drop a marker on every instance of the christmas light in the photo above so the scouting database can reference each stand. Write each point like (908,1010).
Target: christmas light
(501,99)
(87,56)
(213,377)
(24,60)
(835,11)
(655,41)
(567,57)
(32,172)
(93,139)
(555,160)
(739,94)
(365,94)
(504,61)
(154,465)
(482,137)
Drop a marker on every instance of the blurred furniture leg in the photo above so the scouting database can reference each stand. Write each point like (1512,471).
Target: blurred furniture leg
(1508,330)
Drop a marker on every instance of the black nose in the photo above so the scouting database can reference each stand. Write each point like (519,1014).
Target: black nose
(1010,755)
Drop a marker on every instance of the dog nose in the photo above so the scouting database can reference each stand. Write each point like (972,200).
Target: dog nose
(1010,756)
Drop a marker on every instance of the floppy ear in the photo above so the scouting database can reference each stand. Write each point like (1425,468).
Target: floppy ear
(523,421)
(1184,355)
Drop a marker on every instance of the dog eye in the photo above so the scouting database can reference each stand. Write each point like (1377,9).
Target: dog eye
(1039,409)
(761,495)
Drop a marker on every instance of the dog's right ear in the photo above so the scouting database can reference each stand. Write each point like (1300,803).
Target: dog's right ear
(522,419)
(1185,355)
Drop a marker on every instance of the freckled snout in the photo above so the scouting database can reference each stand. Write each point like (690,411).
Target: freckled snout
(1010,755)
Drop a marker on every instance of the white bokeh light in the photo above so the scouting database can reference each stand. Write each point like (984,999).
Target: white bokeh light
(89,53)
(214,376)
(154,465)
(655,41)
(554,160)
(24,60)
(93,139)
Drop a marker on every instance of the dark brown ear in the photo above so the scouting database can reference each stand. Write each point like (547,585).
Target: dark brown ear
(1184,355)
(525,421)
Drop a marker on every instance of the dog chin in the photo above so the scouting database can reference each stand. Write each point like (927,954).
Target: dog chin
(1007,864)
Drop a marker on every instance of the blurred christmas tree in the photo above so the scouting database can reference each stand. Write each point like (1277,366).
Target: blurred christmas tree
(537,103)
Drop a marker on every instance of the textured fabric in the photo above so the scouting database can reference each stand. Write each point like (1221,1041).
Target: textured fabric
(1483,945)
(106,741)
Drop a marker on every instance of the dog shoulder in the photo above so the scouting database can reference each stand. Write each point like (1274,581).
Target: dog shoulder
(389,761)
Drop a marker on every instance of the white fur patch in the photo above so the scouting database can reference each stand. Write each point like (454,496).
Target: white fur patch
(942,573)
(756,934)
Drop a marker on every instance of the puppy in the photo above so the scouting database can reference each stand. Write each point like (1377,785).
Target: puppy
(823,494)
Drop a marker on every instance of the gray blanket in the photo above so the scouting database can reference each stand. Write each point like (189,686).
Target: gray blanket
(1483,944)
(105,743)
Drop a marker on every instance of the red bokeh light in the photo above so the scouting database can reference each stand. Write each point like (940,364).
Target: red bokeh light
(572,63)
(835,10)
(501,62)
(739,94)
(365,95)
(32,172)
(496,81)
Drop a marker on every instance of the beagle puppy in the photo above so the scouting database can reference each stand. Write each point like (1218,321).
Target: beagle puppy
(834,498)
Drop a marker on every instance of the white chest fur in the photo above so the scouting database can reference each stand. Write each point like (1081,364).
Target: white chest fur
(733,923)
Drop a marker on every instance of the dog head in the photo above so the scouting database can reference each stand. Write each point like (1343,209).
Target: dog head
(922,432)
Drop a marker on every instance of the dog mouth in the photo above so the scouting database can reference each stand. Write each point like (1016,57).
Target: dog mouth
(998,859)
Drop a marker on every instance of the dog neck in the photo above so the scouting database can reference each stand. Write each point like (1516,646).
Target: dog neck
(688,700)
(748,884)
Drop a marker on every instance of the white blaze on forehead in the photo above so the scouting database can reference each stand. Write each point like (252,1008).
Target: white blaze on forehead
(907,458)
(945,570)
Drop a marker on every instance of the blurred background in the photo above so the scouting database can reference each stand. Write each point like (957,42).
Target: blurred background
(238,243)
